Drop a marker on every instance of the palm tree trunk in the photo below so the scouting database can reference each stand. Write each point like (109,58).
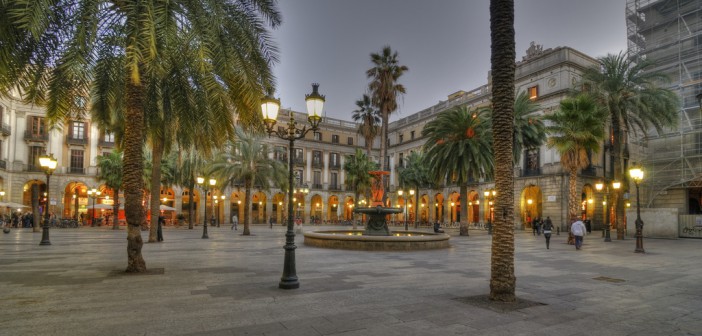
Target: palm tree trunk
(618,150)
(115,211)
(247,206)
(157,154)
(191,205)
(35,208)
(133,168)
(502,278)
(573,204)
(463,231)
(383,150)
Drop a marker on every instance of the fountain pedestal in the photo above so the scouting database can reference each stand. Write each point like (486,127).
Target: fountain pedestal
(377,226)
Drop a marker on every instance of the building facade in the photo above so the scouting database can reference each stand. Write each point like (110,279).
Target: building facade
(540,182)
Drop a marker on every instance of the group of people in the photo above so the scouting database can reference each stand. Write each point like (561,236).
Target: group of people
(576,234)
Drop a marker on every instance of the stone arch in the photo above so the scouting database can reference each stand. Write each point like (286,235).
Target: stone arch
(587,202)
(424,208)
(333,209)
(531,204)
(439,207)
(187,197)
(316,208)
(278,208)
(348,207)
(258,207)
(75,200)
(236,204)
(473,207)
(454,207)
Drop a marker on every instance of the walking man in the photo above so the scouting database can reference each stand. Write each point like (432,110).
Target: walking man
(548,226)
(578,230)
(235,222)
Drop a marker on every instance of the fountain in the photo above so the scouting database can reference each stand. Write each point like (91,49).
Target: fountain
(377,235)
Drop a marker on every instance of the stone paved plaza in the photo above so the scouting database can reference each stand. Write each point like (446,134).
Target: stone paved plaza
(227,285)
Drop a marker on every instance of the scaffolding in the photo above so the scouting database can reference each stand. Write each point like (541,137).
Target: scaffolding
(670,32)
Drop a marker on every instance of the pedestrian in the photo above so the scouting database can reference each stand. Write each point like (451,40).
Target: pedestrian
(548,226)
(533,226)
(539,221)
(235,222)
(578,230)
(159,229)
(270,222)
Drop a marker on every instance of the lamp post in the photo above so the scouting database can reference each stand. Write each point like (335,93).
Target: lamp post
(452,204)
(637,175)
(48,163)
(607,225)
(269,108)
(410,193)
(201,182)
(489,196)
(94,194)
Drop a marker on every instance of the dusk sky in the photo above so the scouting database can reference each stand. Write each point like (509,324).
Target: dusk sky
(445,44)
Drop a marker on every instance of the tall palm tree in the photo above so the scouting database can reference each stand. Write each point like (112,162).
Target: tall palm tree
(629,90)
(110,172)
(369,119)
(188,165)
(415,174)
(502,279)
(248,160)
(458,151)
(62,53)
(357,168)
(575,130)
(385,90)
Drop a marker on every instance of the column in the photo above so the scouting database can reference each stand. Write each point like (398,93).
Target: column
(325,171)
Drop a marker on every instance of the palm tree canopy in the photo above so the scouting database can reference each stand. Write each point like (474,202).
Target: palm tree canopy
(357,168)
(458,146)
(110,169)
(368,116)
(384,75)
(247,159)
(416,172)
(576,129)
(630,91)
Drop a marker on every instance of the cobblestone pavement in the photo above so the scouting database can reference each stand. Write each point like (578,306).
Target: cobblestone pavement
(227,285)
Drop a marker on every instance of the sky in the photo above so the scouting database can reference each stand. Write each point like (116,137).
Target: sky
(444,43)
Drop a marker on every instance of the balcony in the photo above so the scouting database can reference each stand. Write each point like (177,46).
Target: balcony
(298,162)
(589,171)
(317,164)
(106,144)
(335,187)
(75,140)
(29,136)
(334,165)
(531,172)
(33,168)
(317,186)
(5,129)
(3,164)
(76,170)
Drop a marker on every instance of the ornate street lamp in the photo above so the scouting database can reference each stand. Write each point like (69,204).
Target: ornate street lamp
(410,193)
(607,225)
(201,182)
(48,164)
(637,175)
(269,108)
(94,194)
(489,196)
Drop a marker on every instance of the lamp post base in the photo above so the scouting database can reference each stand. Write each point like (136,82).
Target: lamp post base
(639,236)
(45,236)
(289,279)
(608,238)
(204,232)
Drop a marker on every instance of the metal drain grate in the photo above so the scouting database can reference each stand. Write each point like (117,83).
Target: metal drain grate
(608,279)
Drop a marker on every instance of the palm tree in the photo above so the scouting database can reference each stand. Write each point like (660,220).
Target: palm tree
(357,168)
(368,115)
(188,165)
(110,172)
(502,278)
(247,160)
(61,54)
(458,151)
(415,174)
(385,89)
(575,130)
(629,92)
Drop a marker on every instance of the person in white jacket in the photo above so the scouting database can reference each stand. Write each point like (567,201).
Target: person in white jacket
(578,230)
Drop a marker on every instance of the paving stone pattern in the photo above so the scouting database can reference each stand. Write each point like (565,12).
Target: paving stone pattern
(228,285)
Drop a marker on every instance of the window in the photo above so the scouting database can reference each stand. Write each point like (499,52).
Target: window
(78,130)
(335,138)
(333,181)
(317,179)
(316,158)
(34,153)
(401,138)
(412,135)
(108,137)
(281,153)
(299,155)
(77,161)
(533,92)
(334,160)
(38,126)
(349,141)
(298,177)
(318,136)
(401,162)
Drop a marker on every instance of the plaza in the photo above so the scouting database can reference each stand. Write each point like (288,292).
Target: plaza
(227,285)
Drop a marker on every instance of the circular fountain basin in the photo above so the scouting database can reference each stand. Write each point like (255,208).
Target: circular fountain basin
(398,241)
